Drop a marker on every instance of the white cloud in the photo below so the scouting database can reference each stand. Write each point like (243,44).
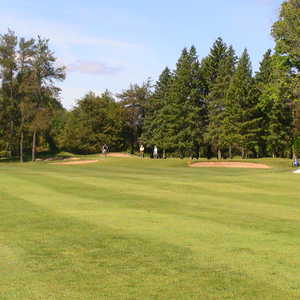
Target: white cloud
(93,68)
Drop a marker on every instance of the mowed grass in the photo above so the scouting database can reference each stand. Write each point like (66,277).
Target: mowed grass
(144,229)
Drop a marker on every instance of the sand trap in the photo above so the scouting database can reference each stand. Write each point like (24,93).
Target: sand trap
(117,154)
(297,171)
(78,162)
(224,164)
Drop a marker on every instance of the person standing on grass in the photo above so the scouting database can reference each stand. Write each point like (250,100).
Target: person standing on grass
(295,162)
(142,149)
(104,150)
(155,152)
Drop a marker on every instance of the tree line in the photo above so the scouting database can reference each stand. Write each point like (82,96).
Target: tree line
(214,106)
(28,96)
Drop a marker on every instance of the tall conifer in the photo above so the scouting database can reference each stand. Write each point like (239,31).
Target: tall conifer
(216,133)
(186,104)
(241,119)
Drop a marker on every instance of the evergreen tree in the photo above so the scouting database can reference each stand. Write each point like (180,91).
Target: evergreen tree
(186,107)
(286,32)
(24,87)
(210,65)
(44,74)
(273,82)
(263,80)
(279,92)
(155,129)
(216,100)
(241,118)
(9,114)
(264,75)
(28,91)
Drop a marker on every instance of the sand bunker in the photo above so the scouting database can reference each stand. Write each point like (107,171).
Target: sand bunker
(117,154)
(78,162)
(224,164)
(73,158)
(297,171)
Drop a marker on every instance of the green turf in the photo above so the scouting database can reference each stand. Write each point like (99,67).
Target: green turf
(144,229)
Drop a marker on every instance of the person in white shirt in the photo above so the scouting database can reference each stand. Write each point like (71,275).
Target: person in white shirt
(155,152)
(142,149)
(104,150)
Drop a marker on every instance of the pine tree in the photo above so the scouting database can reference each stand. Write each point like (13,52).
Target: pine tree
(241,119)
(8,55)
(44,74)
(279,92)
(210,64)
(186,107)
(28,74)
(274,92)
(210,67)
(216,100)
(263,80)
(24,87)
(286,32)
(264,75)
(155,124)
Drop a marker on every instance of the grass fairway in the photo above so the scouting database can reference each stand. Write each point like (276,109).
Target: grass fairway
(132,229)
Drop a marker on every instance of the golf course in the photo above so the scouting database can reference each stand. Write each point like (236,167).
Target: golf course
(130,228)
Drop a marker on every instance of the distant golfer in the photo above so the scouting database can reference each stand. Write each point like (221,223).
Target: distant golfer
(155,152)
(104,150)
(142,149)
(295,162)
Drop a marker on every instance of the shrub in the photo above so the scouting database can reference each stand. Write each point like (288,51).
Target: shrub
(297,146)
(4,154)
(65,155)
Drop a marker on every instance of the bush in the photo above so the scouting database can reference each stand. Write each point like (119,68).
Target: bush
(297,146)
(4,154)
(65,155)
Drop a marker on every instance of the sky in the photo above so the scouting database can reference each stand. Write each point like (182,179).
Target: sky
(111,44)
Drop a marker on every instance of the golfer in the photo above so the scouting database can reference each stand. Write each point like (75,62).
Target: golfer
(142,149)
(155,152)
(104,150)
(295,163)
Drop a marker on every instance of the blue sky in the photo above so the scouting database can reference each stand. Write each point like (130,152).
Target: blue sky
(110,44)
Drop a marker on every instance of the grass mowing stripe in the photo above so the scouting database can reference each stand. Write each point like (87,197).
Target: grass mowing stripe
(85,253)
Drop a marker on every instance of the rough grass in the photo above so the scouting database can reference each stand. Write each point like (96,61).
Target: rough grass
(145,229)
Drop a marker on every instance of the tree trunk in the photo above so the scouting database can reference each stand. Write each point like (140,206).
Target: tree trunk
(243,152)
(294,152)
(21,146)
(33,145)
(230,154)
(164,154)
(11,139)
